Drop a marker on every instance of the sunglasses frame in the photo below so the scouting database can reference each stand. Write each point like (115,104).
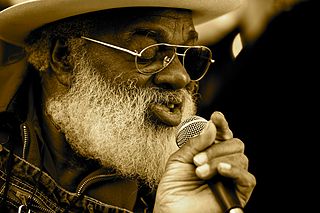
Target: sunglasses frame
(167,60)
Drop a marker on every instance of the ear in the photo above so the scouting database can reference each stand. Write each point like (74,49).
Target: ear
(60,64)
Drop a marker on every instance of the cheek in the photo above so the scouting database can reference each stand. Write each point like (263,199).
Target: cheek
(117,68)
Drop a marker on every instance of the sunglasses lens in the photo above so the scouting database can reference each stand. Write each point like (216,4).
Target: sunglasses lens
(197,61)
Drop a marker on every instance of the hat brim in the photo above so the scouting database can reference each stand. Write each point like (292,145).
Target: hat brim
(17,21)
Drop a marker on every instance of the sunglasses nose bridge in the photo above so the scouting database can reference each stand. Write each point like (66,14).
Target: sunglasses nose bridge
(167,56)
(166,61)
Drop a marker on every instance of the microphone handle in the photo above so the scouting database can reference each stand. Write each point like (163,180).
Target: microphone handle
(224,190)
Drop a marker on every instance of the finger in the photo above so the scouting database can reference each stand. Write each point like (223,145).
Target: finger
(244,181)
(210,169)
(228,147)
(240,175)
(223,130)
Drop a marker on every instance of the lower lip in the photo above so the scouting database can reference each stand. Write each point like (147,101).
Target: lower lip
(170,117)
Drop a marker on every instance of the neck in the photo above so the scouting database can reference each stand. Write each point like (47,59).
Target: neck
(61,162)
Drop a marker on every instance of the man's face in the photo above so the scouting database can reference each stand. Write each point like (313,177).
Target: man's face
(159,26)
(114,114)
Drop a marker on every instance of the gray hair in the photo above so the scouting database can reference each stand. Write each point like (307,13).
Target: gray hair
(40,41)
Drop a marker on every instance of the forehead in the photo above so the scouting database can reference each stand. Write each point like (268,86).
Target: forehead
(126,18)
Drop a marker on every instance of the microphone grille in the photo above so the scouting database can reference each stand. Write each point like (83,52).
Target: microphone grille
(189,128)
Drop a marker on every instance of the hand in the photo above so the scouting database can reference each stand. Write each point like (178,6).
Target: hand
(183,187)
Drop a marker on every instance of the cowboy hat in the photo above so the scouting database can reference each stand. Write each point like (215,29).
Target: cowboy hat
(18,20)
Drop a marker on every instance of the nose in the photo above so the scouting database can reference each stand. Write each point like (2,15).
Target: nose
(174,76)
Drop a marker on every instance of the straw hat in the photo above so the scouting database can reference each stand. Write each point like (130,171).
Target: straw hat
(17,21)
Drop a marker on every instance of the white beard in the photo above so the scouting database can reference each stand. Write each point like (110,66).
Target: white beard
(110,123)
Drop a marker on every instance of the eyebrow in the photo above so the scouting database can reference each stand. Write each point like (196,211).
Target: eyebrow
(162,35)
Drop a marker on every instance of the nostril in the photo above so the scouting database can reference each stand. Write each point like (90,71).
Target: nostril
(166,86)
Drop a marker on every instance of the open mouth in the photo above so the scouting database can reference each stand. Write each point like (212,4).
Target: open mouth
(168,113)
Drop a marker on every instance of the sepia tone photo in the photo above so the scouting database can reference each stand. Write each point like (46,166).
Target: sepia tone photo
(180,106)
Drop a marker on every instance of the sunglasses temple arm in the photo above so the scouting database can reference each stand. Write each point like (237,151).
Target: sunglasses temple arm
(112,46)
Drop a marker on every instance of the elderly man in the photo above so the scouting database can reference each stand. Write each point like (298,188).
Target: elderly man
(91,124)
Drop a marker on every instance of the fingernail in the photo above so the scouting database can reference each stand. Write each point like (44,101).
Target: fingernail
(219,114)
(203,170)
(200,159)
(224,166)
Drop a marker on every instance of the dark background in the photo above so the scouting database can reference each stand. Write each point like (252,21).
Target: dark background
(270,96)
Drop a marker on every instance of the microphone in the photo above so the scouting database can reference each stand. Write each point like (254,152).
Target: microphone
(222,187)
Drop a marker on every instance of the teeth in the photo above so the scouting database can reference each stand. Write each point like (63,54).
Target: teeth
(171,106)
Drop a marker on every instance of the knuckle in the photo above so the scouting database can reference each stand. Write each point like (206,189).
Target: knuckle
(244,161)
(252,182)
(239,143)
(240,160)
